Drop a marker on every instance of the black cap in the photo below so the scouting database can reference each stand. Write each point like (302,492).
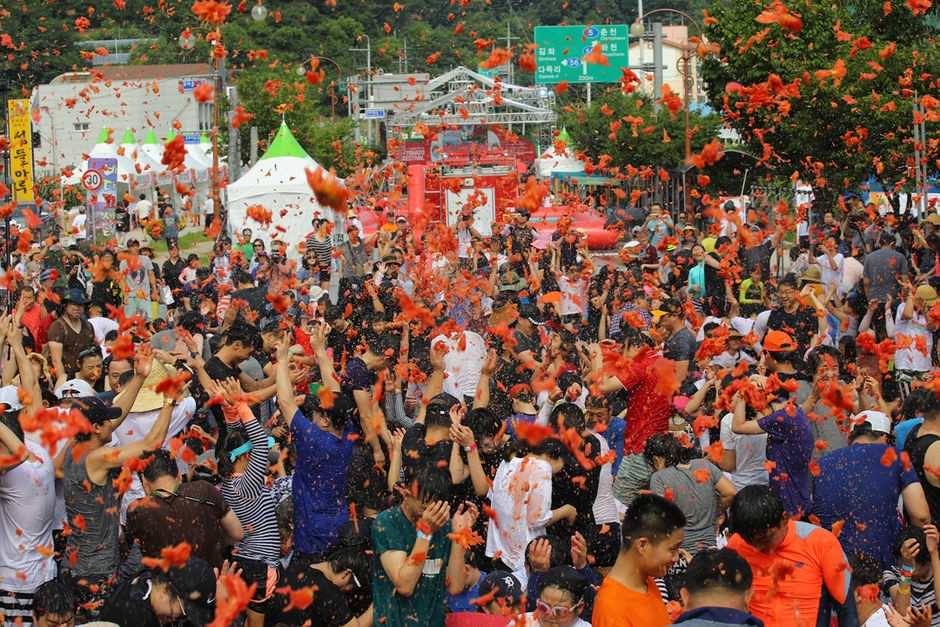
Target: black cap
(668,306)
(133,242)
(532,313)
(503,586)
(194,582)
(76,296)
(95,410)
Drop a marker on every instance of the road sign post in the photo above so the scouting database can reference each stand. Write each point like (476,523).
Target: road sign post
(561,51)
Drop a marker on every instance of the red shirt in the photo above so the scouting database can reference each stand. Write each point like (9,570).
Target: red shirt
(648,409)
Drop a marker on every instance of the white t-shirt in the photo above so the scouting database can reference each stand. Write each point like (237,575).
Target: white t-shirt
(907,332)
(143,209)
(573,296)
(878,619)
(521,496)
(27,514)
(78,226)
(605,505)
(463,362)
(750,453)
(102,326)
(828,273)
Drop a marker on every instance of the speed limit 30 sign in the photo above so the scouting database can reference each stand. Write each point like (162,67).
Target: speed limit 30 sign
(92,180)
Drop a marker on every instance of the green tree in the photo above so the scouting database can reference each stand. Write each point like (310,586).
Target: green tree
(639,136)
(832,102)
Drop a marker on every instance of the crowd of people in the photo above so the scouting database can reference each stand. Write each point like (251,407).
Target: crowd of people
(716,427)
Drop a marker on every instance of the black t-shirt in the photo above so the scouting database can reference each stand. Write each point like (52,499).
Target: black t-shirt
(329,607)
(171,273)
(218,371)
(681,346)
(343,344)
(801,325)
(255,297)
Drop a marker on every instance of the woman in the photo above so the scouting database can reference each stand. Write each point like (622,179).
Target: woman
(697,486)
(243,466)
(322,247)
(521,496)
(561,600)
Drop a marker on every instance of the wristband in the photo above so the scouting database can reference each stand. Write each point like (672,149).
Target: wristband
(472,447)
(423,536)
(904,589)
(904,580)
(907,570)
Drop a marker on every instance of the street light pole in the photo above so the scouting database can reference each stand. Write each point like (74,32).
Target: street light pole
(368,51)
(331,86)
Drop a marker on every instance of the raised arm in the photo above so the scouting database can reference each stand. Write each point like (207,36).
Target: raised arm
(285,392)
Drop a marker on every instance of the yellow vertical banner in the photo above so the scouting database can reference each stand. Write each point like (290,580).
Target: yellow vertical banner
(21,150)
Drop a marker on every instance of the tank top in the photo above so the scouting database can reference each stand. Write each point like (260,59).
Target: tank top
(916,446)
(93,512)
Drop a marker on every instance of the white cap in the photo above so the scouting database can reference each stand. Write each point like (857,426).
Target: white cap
(880,423)
(75,388)
(10,396)
(631,244)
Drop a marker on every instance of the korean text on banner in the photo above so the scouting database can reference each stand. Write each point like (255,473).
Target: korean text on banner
(21,150)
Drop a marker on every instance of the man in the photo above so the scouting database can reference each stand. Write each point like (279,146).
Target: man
(860,484)
(354,261)
(321,434)
(27,511)
(343,338)
(171,226)
(53,606)
(717,591)
(528,348)
(884,270)
(914,329)
(366,477)
(923,446)
(415,558)
(92,502)
(173,512)
(658,225)
(102,324)
(115,368)
(239,342)
(335,580)
(254,298)
(68,335)
(140,283)
(792,317)
(172,268)
(652,534)
(800,569)
(142,211)
(790,443)
(521,235)
(680,345)
(89,367)
(648,409)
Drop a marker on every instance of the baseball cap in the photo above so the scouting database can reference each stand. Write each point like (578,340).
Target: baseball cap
(75,388)
(194,583)
(668,306)
(878,421)
(133,242)
(779,342)
(532,313)
(503,586)
(927,294)
(96,410)
(10,396)
(49,274)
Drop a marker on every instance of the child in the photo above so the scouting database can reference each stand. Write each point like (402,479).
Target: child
(653,531)
(913,583)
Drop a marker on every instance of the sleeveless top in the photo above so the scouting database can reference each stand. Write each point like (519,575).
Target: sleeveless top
(93,513)
(916,446)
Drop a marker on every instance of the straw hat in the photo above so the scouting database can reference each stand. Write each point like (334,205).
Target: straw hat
(148,399)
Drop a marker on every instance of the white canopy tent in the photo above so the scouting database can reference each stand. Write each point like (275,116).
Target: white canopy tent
(278,182)
(552,162)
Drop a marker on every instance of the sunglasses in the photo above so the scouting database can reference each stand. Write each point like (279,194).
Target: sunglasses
(558,611)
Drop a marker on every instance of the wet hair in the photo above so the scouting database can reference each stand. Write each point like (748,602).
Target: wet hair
(567,415)
(652,517)
(241,277)
(568,580)
(430,483)
(718,569)
(355,559)
(560,550)
(788,280)
(160,463)
(332,312)
(865,570)
(11,421)
(917,533)
(848,348)
(381,344)
(819,355)
(913,405)
(553,448)
(665,446)
(755,510)
(242,332)
(484,423)
(53,598)
(437,412)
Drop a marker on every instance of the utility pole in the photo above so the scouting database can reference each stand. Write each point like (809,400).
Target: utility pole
(368,51)
(509,39)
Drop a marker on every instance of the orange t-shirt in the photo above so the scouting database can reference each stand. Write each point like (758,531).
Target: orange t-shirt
(619,606)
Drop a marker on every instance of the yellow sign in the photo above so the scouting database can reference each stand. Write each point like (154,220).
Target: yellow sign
(21,150)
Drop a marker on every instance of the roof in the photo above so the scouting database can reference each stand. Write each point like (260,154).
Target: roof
(139,72)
